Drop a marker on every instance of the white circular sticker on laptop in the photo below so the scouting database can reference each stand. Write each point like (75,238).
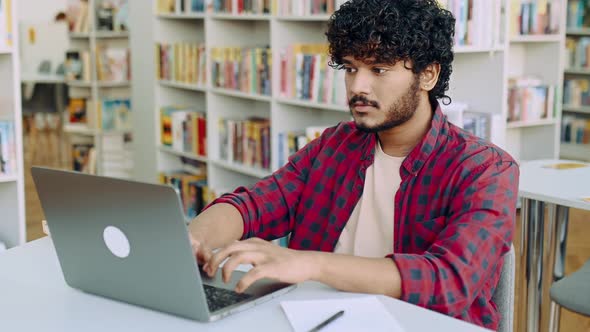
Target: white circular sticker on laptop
(116,241)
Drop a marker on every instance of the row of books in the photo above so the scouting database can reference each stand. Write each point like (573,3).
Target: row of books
(245,141)
(577,52)
(108,114)
(6,22)
(292,141)
(577,14)
(306,75)
(529,99)
(179,6)
(483,125)
(475,21)
(576,92)
(111,15)
(116,159)
(478,124)
(83,158)
(192,188)
(308,7)
(112,65)
(8,162)
(184,129)
(181,62)
(237,7)
(77,16)
(245,69)
(77,66)
(533,17)
(575,130)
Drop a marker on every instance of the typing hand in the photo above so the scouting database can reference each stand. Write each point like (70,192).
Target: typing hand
(268,260)
(200,250)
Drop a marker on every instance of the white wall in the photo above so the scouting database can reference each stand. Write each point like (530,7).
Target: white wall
(51,40)
(38,11)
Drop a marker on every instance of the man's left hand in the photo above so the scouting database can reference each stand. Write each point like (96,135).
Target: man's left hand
(268,260)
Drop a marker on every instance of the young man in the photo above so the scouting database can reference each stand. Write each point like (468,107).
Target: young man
(399,201)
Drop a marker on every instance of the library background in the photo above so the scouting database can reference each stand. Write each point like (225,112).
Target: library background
(208,95)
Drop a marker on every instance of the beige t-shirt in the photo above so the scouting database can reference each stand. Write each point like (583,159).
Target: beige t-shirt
(369,231)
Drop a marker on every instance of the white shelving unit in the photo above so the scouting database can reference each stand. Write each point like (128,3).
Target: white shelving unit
(96,90)
(539,56)
(479,79)
(571,150)
(12,198)
(224,30)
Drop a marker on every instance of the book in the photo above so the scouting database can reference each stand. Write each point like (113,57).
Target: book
(112,64)
(115,114)
(184,129)
(245,69)
(8,162)
(81,157)
(77,16)
(105,17)
(245,141)
(112,15)
(77,110)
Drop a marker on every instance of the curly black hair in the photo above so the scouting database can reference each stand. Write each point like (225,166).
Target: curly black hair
(395,30)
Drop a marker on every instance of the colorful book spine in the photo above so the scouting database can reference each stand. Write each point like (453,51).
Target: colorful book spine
(184,130)
(306,75)
(243,69)
(245,142)
(181,62)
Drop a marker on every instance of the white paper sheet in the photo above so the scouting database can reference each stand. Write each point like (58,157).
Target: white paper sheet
(360,314)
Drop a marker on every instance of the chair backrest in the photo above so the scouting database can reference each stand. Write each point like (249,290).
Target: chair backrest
(504,294)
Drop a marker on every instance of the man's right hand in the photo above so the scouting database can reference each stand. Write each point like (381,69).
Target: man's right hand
(221,224)
(201,251)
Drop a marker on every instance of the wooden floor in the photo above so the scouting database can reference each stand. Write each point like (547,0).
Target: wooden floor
(578,245)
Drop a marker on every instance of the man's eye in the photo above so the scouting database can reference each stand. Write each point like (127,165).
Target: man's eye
(349,70)
(379,70)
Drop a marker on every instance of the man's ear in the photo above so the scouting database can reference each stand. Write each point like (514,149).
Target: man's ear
(429,76)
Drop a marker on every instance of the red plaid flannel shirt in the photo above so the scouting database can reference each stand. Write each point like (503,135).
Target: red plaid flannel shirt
(454,211)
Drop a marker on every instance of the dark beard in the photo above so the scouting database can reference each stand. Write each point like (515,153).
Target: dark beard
(398,114)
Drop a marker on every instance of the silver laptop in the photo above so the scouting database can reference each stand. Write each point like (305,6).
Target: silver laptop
(129,241)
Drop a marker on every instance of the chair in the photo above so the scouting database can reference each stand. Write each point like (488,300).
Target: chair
(573,293)
(504,293)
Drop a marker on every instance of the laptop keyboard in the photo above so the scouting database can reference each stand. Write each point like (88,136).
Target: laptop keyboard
(219,298)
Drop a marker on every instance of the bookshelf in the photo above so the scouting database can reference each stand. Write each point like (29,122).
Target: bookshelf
(535,63)
(226,30)
(103,89)
(493,59)
(575,138)
(12,199)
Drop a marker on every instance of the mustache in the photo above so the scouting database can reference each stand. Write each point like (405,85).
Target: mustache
(363,100)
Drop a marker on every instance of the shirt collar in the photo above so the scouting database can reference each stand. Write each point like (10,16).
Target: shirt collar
(419,155)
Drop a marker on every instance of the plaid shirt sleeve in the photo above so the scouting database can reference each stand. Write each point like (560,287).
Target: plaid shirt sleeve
(268,208)
(451,273)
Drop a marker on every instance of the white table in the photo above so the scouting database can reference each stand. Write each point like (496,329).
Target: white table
(35,297)
(559,190)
